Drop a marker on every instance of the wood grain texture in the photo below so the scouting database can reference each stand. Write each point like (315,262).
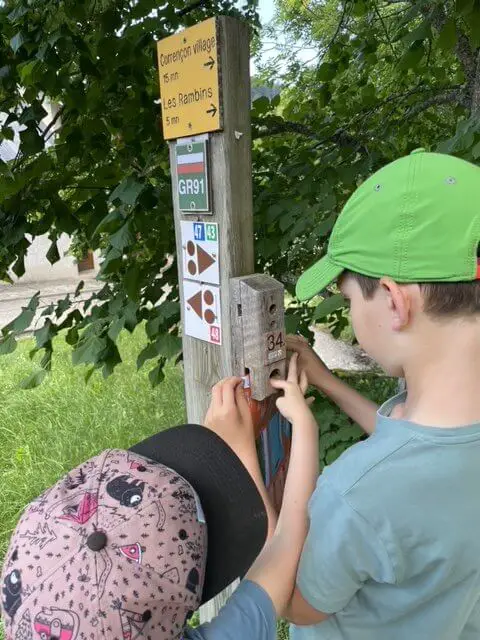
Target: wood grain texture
(257,317)
(231,179)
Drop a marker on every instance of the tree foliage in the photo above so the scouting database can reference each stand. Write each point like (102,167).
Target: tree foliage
(105,179)
(384,77)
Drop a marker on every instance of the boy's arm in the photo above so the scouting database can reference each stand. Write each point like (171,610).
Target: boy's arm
(276,567)
(360,409)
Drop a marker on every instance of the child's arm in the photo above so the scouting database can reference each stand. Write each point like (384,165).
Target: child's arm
(268,587)
(360,409)
(276,567)
(229,417)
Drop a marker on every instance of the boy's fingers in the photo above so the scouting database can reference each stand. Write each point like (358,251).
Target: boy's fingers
(310,400)
(293,369)
(295,340)
(303,381)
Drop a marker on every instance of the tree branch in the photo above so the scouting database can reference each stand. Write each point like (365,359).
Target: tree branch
(53,122)
(340,137)
(384,26)
(466,55)
(448,97)
(475,104)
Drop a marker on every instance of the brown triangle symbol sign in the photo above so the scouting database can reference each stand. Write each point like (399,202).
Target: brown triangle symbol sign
(205,260)
(196,303)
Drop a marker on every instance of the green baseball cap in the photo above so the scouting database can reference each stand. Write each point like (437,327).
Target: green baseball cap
(415,220)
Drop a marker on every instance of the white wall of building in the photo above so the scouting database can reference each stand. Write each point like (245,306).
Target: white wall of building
(39,269)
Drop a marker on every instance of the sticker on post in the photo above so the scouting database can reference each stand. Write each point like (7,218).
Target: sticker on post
(200,251)
(193,188)
(275,347)
(202,317)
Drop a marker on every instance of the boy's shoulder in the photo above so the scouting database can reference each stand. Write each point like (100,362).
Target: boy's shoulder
(362,463)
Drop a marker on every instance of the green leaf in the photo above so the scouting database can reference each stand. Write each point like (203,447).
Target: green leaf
(464,7)
(110,223)
(17,41)
(19,11)
(328,306)
(333,454)
(34,380)
(474,22)
(115,328)
(8,133)
(27,71)
(147,353)
(476,151)
(7,345)
(132,282)
(111,359)
(412,58)
(127,191)
(326,225)
(261,105)
(422,32)
(45,334)
(79,288)
(88,350)
(167,346)
(326,71)
(19,266)
(157,375)
(23,321)
(447,38)
(122,238)
(349,433)
(31,142)
(52,254)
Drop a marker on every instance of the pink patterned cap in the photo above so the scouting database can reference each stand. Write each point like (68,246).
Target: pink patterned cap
(116,549)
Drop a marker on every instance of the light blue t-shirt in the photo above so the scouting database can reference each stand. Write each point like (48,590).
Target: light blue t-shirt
(248,615)
(393,550)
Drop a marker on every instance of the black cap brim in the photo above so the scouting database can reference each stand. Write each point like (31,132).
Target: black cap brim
(236,517)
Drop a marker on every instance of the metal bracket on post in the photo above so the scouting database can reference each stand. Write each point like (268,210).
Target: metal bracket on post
(258,331)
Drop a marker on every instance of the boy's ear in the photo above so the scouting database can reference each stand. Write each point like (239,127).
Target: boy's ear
(399,303)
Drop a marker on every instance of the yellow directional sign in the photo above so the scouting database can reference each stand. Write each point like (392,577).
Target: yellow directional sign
(189,81)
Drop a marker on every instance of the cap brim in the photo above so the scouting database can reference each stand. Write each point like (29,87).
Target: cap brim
(237,521)
(317,278)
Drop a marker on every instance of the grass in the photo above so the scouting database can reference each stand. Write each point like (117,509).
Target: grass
(47,431)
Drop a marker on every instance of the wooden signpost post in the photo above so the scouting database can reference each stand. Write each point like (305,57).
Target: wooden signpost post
(232,324)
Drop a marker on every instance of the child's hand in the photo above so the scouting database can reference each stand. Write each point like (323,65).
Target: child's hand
(229,415)
(293,404)
(308,361)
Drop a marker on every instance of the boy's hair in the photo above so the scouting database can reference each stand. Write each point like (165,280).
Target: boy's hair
(440,298)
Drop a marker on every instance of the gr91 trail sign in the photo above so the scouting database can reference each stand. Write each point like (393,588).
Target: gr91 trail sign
(192,177)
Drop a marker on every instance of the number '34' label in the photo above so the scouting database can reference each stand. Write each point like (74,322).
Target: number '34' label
(275,347)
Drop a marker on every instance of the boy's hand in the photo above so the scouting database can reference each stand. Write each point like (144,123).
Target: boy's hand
(317,371)
(293,405)
(229,415)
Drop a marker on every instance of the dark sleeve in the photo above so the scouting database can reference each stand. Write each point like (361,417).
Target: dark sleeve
(249,613)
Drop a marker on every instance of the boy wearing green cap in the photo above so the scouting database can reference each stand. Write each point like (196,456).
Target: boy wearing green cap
(393,550)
